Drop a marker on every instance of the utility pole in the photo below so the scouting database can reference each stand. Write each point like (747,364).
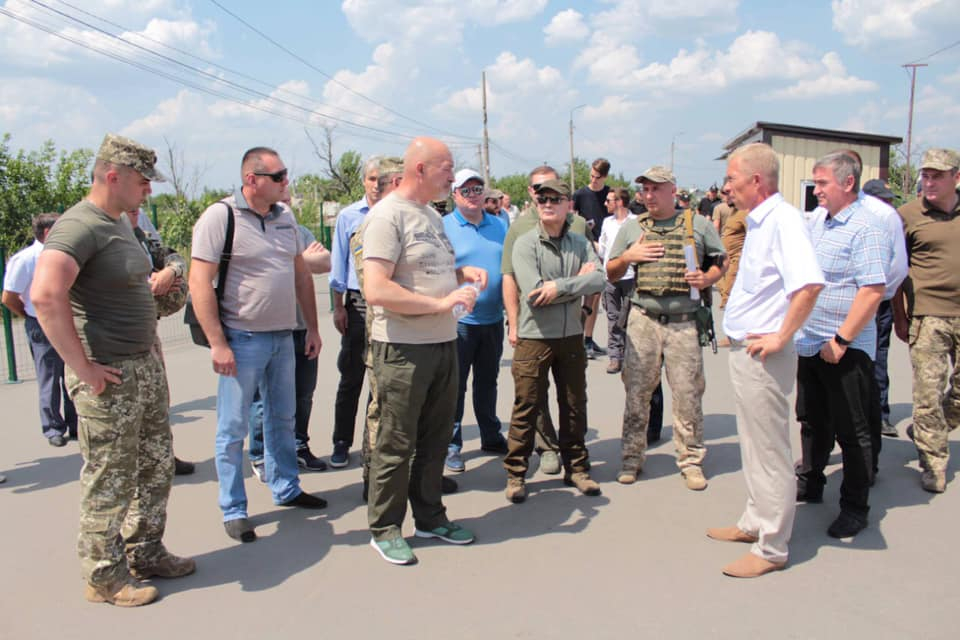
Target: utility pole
(572,165)
(907,186)
(486,140)
(673,145)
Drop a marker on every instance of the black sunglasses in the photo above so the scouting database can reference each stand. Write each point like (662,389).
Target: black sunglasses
(277,176)
(466,192)
(551,199)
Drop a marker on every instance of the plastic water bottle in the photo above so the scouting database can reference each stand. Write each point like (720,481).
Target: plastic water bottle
(460,309)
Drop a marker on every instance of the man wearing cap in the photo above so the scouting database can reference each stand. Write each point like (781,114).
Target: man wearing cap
(709,202)
(477,234)
(55,426)
(771,298)
(492,199)
(94,303)
(546,436)
(553,269)
(251,331)
(349,316)
(930,321)
(661,326)
(412,285)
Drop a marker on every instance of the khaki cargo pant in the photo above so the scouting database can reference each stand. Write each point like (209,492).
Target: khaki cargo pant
(934,348)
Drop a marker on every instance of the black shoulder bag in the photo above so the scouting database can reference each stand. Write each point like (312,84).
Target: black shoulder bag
(189,317)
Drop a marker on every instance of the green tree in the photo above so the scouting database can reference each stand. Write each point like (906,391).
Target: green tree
(897,173)
(35,182)
(515,185)
(177,216)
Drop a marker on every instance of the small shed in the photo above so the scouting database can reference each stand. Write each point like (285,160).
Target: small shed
(800,147)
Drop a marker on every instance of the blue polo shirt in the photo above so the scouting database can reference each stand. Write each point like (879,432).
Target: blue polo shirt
(480,246)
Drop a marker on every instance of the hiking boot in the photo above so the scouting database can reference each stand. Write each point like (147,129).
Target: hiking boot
(448,485)
(846,526)
(122,594)
(549,462)
(888,429)
(182,467)
(933,481)
(341,455)
(166,566)
(583,482)
(450,532)
(694,478)
(309,462)
(240,530)
(259,470)
(627,477)
(516,490)
(614,366)
(394,550)
(454,461)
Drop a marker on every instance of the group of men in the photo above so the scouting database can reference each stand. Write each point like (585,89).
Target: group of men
(421,303)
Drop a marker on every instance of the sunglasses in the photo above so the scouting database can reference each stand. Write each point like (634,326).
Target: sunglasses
(278,176)
(466,192)
(551,199)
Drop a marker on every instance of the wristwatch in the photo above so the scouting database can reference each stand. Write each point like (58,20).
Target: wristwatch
(840,340)
(587,310)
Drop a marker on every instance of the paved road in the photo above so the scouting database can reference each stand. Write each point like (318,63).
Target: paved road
(631,563)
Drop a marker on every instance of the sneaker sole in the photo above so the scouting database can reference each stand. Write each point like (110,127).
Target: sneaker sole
(373,543)
(303,466)
(338,465)
(455,469)
(429,534)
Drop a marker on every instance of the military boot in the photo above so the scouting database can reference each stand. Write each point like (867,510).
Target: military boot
(516,490)
(126,593)
(933,481)
(166,565)
(583,482)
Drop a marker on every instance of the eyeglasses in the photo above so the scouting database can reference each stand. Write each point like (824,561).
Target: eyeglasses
(277,176)
(551,199)
(466,192)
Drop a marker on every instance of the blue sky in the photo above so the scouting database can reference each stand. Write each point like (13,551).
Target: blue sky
(650,72)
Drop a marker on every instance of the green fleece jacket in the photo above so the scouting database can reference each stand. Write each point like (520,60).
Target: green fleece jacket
(538,258)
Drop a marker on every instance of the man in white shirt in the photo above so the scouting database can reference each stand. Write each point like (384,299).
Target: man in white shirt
(774,292)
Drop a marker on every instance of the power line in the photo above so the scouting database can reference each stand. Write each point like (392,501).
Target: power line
(949,46)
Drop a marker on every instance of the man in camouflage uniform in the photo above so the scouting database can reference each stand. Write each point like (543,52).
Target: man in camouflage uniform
(930,322)
(94,303)
(661,326)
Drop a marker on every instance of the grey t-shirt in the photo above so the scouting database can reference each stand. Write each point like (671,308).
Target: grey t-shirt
(113,309)
(260,292)
(411,236)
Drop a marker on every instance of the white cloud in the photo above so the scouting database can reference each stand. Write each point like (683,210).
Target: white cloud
(32,109)
(626,19)
(833,81)
(613,108)
(566,27)
(875,23)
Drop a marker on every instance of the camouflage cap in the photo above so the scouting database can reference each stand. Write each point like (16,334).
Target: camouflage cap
(130,153)
(494,194)
(941,160)
(657,174)
(173,300)
(391,164)
(558,186)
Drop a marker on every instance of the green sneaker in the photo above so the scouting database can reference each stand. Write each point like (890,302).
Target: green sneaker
(394,550)
(450,532)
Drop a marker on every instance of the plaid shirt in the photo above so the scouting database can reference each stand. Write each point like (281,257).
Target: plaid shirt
(851,248)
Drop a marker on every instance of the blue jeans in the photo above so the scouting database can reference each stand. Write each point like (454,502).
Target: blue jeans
(479,346)
(51,383)
(305,372)
(262,357)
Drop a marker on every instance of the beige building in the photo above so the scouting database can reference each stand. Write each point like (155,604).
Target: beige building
(799,148)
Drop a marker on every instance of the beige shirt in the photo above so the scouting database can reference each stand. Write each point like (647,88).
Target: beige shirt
(411,236)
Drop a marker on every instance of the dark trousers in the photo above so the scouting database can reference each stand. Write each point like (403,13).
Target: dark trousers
(52,387)
(532,361)
(350,363)
(835,402)
(480,347)
(305,377)
(615,294)
(884,328)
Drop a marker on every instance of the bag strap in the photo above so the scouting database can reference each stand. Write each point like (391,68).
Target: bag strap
(226,254)
(688,225)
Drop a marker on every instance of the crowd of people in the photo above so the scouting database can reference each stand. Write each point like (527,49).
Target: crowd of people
(424,302)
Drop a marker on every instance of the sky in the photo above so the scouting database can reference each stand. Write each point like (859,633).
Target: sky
(211,78)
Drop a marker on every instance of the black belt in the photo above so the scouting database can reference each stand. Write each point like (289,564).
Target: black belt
(356,300)
(667,318)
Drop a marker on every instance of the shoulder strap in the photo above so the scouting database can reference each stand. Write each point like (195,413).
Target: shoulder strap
(226,254)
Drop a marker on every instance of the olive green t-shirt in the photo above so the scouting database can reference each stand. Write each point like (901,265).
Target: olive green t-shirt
(113,309)
(932,239)
(528,220)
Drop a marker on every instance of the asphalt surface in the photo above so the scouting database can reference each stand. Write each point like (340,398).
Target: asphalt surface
(633,562)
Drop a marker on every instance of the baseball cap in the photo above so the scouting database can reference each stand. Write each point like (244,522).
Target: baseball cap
(557,186)
(465,175)
(130,153)
(657,174)
(941,160)
(496,194)
(878,189)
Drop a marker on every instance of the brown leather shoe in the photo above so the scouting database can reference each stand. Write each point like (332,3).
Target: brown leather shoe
(730,534)
(751,566)
(166,566)
(123,594)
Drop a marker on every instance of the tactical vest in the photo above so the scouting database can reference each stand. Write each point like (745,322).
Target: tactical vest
(665,276)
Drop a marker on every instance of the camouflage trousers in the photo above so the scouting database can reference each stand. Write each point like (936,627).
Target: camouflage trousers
(934,350)
(676,346)
(127,469)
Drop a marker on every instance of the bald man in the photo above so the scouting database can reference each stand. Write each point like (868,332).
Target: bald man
(411,285)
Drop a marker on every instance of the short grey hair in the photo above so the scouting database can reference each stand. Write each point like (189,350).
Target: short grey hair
(761,159)
(843,165)
(372,164)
